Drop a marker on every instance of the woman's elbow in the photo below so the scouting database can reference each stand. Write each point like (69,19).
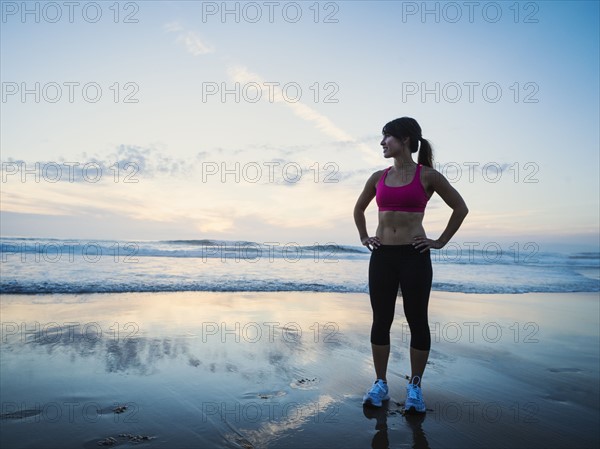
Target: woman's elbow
(461,209)
(359,209)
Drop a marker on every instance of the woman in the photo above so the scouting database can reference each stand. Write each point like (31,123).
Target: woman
(400,253)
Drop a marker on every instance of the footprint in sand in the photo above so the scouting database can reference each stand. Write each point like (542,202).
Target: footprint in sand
(124,438)
(275,394)
(305,383)
(264,395)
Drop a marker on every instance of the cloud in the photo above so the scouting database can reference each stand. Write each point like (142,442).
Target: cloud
(172,27)
(192,42)
(151,162)
(128,162)
(196,46)
(242,75)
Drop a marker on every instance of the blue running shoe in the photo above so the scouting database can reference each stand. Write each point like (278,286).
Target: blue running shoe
(414,397)
(377,394)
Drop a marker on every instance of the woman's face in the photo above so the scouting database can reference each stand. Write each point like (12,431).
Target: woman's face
(391,146)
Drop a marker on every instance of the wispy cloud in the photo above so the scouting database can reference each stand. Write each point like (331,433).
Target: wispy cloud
(172,27)
(241,74)
(193,43)
(238,73)
(129,161)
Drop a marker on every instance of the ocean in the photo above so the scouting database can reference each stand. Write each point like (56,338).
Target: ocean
(47,266)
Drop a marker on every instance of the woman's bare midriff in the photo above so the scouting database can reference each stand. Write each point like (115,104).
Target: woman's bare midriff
(399,228)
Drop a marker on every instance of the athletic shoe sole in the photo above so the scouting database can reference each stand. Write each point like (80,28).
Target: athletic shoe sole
(412,410)
(368,402)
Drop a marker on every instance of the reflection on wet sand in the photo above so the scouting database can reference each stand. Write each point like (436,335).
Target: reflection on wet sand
(196,371)
(141,354)
(271,430)
(390,408)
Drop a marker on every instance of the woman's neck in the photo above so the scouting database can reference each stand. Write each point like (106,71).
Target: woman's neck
(402,162)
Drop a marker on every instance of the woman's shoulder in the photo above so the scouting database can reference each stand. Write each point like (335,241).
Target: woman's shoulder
(376,176)
(427,169)
(430,175)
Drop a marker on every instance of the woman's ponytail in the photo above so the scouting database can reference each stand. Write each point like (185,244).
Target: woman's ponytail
(425,153)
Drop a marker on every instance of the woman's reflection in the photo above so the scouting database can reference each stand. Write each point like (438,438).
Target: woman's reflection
(413,421)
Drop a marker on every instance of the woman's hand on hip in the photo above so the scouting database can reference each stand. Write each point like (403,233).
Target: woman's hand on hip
(371,241)
(423,244)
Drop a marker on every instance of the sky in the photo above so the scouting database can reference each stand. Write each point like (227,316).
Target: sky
(261,121)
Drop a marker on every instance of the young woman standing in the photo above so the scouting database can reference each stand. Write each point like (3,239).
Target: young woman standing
(400,253)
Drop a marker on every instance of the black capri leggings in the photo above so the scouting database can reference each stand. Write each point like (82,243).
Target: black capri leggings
(400,265)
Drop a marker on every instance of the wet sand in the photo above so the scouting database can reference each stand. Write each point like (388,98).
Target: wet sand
(288,370)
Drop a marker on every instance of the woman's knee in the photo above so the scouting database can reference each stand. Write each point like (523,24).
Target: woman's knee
(380,338)
(380,331)
(420,336)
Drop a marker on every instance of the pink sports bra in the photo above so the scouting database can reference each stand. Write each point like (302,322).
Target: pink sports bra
(409,198)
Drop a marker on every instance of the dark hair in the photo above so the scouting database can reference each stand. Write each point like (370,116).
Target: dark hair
(408,127)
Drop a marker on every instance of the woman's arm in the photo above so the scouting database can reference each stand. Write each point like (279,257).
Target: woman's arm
(363,201)
(459,211)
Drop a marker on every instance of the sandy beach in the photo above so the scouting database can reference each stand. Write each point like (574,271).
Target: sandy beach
(288,370)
